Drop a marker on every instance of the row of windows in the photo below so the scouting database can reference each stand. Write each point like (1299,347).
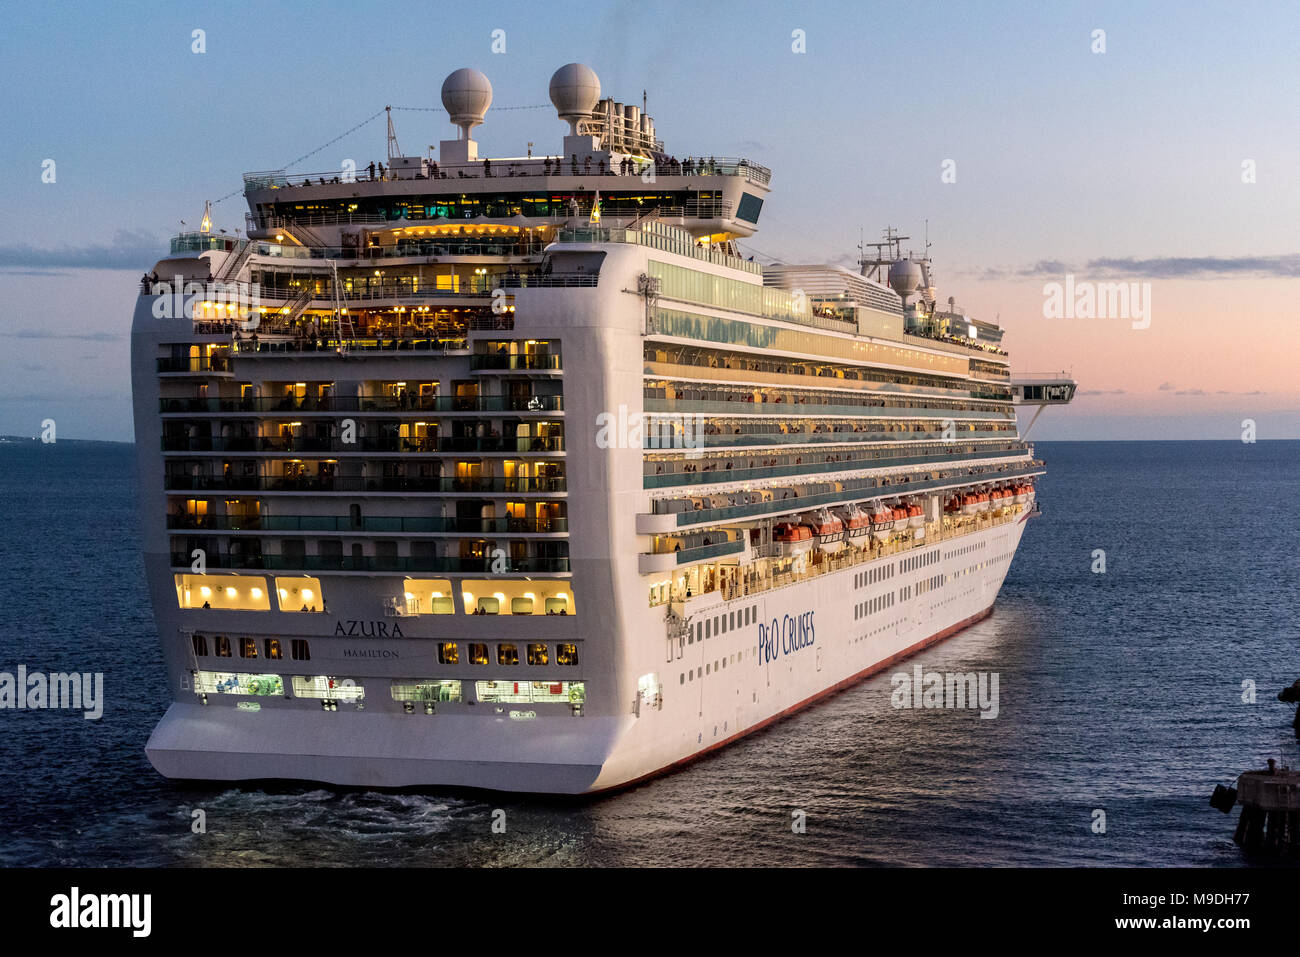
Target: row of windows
(920,561)
(864,608)
(873,575)
(272,649)
(708,669)
(965,549)
(507,653)
(721,624)
(934,581)
(409,691)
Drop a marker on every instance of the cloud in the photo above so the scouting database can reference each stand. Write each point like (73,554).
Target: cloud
(1165,387)
(1191,392)
(1165,267)
(84,336)
(1103,392)
(130,249)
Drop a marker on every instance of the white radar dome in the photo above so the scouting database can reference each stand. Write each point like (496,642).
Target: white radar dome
(575,91)
(466,95)
(905,278)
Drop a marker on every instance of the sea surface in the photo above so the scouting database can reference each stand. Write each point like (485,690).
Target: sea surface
(1120,694)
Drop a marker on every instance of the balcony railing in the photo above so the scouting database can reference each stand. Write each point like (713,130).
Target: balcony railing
(370,563)
(700,552)
(853,489)
(372,523)
(880,459)
(199,364)
(306,444)
(293,405)
(264,348)
(515,362)
(511,169)
(353,484)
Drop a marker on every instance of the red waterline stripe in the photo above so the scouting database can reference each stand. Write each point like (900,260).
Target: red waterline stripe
(840,686)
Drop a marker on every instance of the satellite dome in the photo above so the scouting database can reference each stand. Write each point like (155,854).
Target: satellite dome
(466,95)
(575,91)
(905,278)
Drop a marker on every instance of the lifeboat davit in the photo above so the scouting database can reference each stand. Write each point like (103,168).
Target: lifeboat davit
(792,539)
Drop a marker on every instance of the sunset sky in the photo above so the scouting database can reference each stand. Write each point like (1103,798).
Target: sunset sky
(1125,165)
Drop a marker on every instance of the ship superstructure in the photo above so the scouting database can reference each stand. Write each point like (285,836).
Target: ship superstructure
(515,474)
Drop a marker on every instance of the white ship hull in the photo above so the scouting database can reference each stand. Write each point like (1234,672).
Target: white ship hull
(558,753)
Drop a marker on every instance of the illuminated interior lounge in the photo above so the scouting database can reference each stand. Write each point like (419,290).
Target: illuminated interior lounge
(227,592)
(517,597)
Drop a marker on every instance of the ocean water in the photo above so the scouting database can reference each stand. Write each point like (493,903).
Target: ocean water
(1119,693)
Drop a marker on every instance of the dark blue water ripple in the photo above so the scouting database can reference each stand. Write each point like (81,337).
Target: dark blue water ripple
(1119,692)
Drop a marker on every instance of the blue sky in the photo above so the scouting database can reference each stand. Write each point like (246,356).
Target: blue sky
(1126,163)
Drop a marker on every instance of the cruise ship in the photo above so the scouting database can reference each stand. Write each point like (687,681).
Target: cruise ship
(517,474)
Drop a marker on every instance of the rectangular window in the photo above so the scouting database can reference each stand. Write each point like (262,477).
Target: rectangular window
(200,646)
(328,687)
(299,649)
(425,691)
(448,653)
(507,654)
(222,644)
(529,692)
(273,650)
(222,682)
(478,654)
(247,648)
(566,654)
(538,655)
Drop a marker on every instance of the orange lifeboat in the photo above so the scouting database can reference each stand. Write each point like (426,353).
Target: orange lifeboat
(882,523)
(792,539)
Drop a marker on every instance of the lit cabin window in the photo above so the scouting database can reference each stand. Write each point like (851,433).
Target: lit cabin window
(478,654)
(428,596)
(300,594)
(222,645)
(222,592)
(448,653)
(248,647)
(273,649)
(538,655)
(566,654)
(507,654)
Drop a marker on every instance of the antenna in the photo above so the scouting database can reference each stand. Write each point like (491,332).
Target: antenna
(394,150)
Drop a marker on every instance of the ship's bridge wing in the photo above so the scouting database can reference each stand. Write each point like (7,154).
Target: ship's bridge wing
(1035,389)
